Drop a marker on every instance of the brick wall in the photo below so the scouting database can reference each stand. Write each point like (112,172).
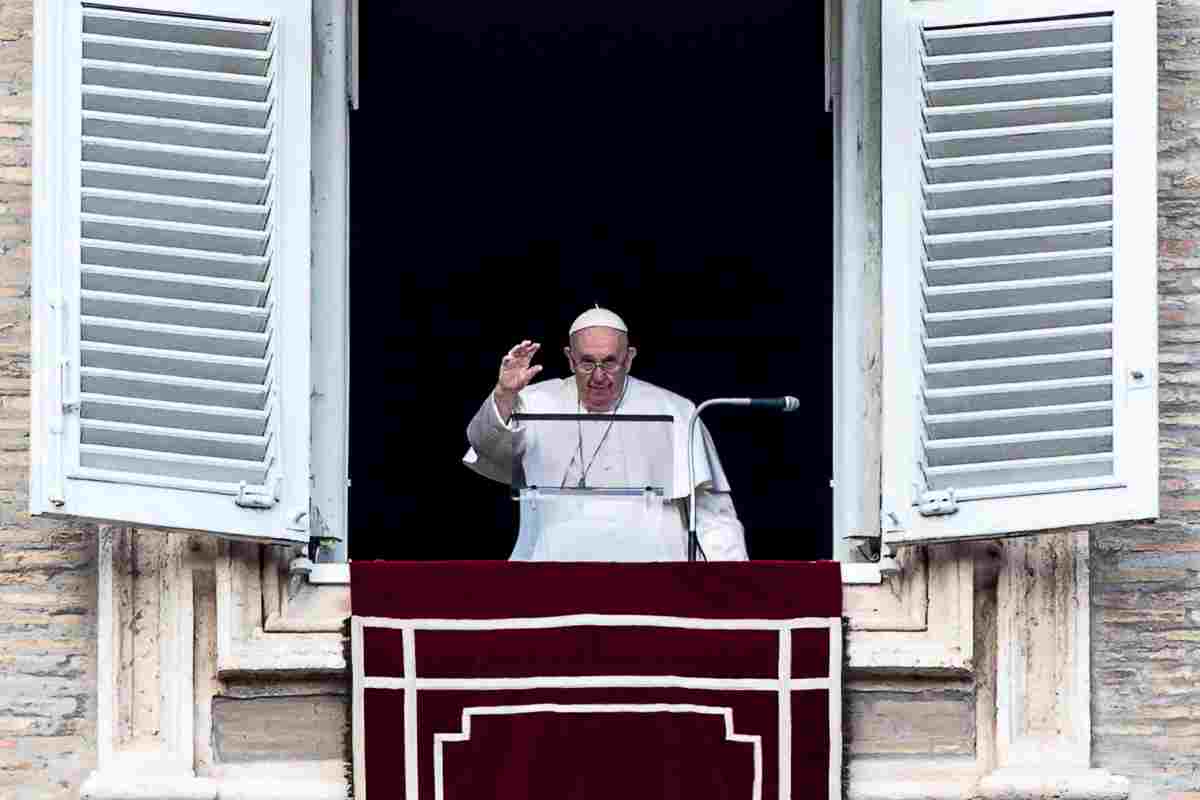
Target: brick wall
(47,572)
(1146,580)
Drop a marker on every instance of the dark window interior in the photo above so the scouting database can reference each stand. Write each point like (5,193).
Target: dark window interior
(515,162)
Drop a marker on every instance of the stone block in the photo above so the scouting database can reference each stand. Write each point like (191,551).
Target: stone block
(19,175)
(14,232)
(16,19)
(17,108)
(922,722)
(299,728)
(15,154)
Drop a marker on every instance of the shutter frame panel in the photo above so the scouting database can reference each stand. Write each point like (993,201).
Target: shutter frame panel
(171,348)
(1019,220)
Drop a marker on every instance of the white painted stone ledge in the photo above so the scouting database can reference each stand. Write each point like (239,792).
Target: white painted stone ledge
(853,573)
(958,779)
(101,786)
(1090,784)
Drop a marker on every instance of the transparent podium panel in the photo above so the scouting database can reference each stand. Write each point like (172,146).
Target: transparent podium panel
(592,486)
(596,524)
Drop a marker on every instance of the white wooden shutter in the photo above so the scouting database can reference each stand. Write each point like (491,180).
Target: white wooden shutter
(172,265)
(1019,267)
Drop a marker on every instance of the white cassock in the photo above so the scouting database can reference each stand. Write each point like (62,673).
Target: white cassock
(620,459)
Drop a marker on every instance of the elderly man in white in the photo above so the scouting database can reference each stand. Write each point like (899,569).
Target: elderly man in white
(600,357)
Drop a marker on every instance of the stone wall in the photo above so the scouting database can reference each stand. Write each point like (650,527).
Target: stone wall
(47,571)
(1146,579)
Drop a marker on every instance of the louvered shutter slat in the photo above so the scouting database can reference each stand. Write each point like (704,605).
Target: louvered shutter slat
(1034,342)
(1017,318)
(212,213)
(1023,60)
(188,471)
(1017,226)
(1003,422)
(1021,476)
(1043,239)
(229,163)
(1020,266)
(110,125)
(177,28)
(1025,138)
(1017,215)
(174,55)
(1017,88)
(1037,188)
(1027,394)
(1013,447)
(180,106)
(101,382)
(148,180)
(999,37)
(176,337)
(136,255)
(1061,289)
(175,234)
(173,440)
(178,363)
(148,283)
(1018,369)
(172,80)
(1019,113)
(220,317)
(992,166)
(158,413)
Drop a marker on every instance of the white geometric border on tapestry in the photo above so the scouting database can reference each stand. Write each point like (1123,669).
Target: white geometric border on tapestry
(784,684)
(593,708)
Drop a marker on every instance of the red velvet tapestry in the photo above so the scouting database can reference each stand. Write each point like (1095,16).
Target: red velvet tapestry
(485,680)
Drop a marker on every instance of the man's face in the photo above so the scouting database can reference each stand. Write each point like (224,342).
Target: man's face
(606,352)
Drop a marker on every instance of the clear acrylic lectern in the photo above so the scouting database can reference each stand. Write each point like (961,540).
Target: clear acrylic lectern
(593,487)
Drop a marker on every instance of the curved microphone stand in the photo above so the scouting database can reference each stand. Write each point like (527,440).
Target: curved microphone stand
(784,404)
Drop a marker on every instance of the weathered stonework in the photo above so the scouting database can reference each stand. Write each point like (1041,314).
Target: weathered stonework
(304,727)
(47,570)
(1146,579)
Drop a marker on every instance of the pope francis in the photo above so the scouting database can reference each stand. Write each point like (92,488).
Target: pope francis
(600,357)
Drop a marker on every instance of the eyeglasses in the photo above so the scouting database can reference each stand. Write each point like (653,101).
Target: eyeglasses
(608,366)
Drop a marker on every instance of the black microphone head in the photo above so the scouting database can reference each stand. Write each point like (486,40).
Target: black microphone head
(788,403)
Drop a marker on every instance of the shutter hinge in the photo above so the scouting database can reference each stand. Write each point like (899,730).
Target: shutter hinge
(257,496)
(938,503)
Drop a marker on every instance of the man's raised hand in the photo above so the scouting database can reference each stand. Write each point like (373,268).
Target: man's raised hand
(515,374)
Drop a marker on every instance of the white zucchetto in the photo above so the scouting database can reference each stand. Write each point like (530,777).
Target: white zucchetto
(598,318)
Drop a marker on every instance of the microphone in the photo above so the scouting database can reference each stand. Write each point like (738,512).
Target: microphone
(785,404)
